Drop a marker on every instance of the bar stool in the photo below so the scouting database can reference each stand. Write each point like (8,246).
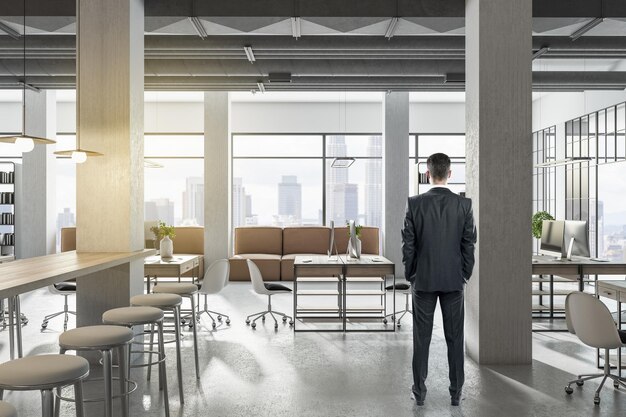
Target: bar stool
(141,316)
(166,302)
(189,291)
(104,339)
(45,373)
(7,410)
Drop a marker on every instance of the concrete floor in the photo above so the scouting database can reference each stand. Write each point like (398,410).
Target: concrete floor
(261,372)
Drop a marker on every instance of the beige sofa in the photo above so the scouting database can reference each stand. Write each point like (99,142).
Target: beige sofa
(274,249)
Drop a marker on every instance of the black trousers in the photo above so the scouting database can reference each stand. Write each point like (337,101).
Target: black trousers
(452,309)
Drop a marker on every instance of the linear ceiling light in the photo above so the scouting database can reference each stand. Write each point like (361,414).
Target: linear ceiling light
(261,86)
(391,29)
(342,162)
(25,142)
(199,27)
(249,54)
(566,161)
(454,78)
(10,31)
(279,77)
(296,30)
(78,155)
(542,51)
(592,24)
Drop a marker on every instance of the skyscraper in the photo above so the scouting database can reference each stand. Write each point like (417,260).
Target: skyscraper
(343,197)
(374,182)
(240,203)
(290,198)
(159,209)
(193,201)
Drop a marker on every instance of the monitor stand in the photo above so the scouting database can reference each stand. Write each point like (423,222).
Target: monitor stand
(570,246)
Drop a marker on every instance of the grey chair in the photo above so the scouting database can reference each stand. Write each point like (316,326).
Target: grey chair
(215,279)
(405,289)
(65,289)
(260,287)
(591,321)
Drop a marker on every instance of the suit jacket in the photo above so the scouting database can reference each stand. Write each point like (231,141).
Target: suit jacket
(438,240)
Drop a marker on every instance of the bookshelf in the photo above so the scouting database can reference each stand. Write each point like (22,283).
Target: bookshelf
(7,211)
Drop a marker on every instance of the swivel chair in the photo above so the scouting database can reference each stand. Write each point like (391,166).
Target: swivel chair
(405,289)
(589,319)
(262,288)
(215,279)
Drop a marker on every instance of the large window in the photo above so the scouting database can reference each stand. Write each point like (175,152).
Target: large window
(174,178)
(422,145)
(290,179)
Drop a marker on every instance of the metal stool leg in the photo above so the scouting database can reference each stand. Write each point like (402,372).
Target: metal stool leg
(123,375)
(150,348)
(106,373)
(162,369)
(47,403)
(78,394)
(18,324)
(195,334)
(11,329)
(179,366)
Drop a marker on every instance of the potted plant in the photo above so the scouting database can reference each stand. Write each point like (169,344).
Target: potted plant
(537,222)
(164,235)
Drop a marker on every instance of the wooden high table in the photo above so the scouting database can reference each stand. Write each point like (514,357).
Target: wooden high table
(340,271)
(103,280)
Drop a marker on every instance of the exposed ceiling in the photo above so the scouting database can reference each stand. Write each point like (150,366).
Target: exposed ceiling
(342,45)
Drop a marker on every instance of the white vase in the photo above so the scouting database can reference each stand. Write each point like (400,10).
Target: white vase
(354,248)
(166,247)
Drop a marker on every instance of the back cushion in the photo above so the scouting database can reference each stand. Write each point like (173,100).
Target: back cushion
(305,240)
(189,240)
(370,242)
(259,240)
(68,239)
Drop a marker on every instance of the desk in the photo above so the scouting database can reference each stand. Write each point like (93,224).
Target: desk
(155,267)
(341,272)
(578,268)
(615,290)
(103,280)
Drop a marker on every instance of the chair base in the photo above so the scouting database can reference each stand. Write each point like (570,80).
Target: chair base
(402,313)
(261,315)
(211,313)
(65,313)
(580,381)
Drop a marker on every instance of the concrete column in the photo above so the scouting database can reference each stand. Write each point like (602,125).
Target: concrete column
(109,188)
(395,174)
(37,228)
(499,168)
(217,177)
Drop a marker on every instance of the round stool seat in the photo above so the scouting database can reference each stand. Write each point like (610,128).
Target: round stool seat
(180,288)
(95,337)
(42,372)
(131,316)
(7,410)
(157,300)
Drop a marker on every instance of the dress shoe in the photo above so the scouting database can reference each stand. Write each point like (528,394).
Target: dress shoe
(455,400)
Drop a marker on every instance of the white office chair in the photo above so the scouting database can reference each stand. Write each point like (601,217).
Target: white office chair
(589,319)
(405,289)
(262,288)
(65,289)
(215,279)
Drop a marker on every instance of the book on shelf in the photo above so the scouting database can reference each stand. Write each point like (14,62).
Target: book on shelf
(7,198)
(7,239)
(7,219)
(7,177)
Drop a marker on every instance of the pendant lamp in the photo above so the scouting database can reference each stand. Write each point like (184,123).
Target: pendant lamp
(78,155)
(25,142)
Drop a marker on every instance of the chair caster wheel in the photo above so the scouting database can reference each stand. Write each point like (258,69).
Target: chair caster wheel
(291,322)
(253,325)
(228,321)
(580,383)
(183,321)
(247,321)
(569,390)
(44,325)
(616,385)
(384,321)
(276,326)
(596,400)
(219,318)
(263,319)
(284,319)
(190,326)
(399,325)
(214,325)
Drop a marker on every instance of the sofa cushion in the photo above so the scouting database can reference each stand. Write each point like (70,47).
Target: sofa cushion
(286,265)
(189,240)
(258,240)
(306,240)
(370,241)
(269,265)
(68,239)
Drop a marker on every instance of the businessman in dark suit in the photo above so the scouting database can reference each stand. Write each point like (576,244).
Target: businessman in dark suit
(438,240)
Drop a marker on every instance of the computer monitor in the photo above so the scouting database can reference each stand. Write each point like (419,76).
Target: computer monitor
(552,232)
(576,230)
